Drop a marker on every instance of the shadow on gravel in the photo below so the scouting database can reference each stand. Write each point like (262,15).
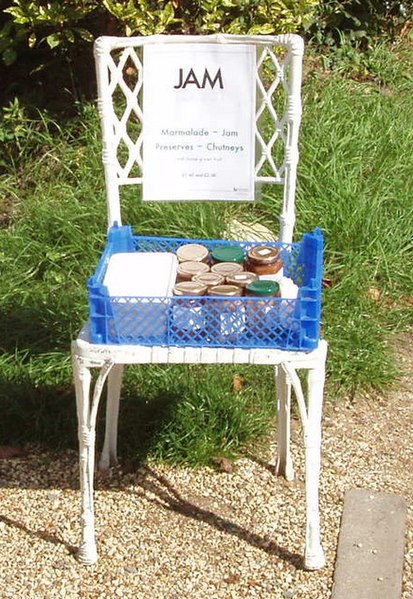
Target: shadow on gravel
(38,534)
(53,471)
(169,498)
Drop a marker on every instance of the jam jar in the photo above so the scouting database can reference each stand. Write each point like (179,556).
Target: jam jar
(265,261)
(192,252)
(226,315)
(210,279)
(262,310)
(242,279)
(186,271)
(188,319)
(228,253)
(227,269)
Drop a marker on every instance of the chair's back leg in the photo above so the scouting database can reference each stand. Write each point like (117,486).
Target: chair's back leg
(109,452)
(284,465)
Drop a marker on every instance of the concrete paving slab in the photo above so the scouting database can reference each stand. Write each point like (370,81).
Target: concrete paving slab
(370,552)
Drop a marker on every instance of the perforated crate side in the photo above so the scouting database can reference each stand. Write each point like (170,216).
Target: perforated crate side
(311,257)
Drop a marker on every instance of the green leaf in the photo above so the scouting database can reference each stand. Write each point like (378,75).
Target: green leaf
(32,40)
(84,34)
(53,40)
(9,56)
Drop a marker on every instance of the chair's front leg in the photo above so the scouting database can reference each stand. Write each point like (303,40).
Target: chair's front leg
(314,555)
(87,553)
(109,452)
(284,465)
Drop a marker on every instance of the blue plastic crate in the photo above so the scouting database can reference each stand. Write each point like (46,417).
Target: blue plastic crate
(245,322)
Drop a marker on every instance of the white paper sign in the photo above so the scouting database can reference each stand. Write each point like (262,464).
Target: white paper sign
(199,122)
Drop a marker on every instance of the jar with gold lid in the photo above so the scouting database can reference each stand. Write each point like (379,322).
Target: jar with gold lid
(265,261)
(186,271)
(226,314)
(188,318)
(210,279)
(192,252)
(226,269)
(241,279)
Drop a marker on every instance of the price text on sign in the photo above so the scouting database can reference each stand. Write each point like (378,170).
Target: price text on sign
(199,122)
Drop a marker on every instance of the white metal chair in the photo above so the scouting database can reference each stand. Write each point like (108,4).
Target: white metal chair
(118,60)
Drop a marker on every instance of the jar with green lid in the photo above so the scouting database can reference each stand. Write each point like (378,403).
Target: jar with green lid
(265,261)
(187,317)
(263,288)
(263,311)
(225,314)
(228,253)
(226,269)
(186,271)
(192,252)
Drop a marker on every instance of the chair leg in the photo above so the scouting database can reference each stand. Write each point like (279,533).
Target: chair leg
(109,452)
(284,465)
(314,555)
(87,553)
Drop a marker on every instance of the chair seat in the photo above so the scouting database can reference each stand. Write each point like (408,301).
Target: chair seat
(143,354)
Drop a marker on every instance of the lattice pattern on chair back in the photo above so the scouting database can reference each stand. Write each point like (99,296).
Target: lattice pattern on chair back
(119,63)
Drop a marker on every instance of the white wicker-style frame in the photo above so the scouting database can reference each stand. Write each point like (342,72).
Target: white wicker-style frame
(287,78)
(114,56)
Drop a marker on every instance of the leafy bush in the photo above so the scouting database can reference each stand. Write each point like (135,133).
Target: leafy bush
(59,23)
(359,20)
(48,44)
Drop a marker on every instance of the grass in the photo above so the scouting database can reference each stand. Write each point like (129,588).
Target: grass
(354,182)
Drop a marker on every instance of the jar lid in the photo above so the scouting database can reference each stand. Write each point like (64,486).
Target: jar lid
(263,287)
(225,290)
(192,252)
(264,254)
(242,279)
(227,269)
(190,269)
(209,279)
(228,253)
(189,288)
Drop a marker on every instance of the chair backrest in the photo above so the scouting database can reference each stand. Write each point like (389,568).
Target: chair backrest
(140,147)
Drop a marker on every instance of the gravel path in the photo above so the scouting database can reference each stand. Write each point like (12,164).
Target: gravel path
(177,533)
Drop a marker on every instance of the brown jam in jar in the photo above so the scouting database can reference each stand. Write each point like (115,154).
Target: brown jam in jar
(264,260)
